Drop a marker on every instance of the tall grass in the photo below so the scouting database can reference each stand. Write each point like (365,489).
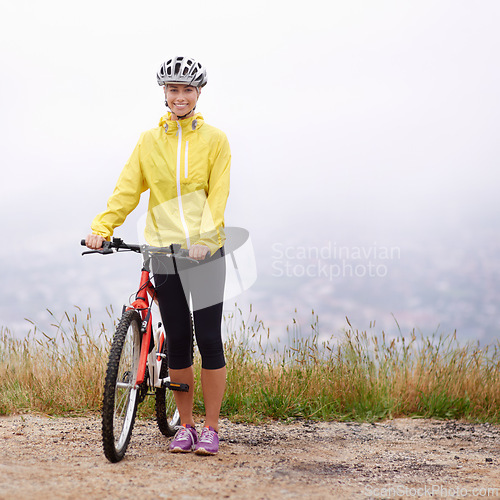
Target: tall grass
(58,374)
(359,376)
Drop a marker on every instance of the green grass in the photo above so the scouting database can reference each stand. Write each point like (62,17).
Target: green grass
(355,376)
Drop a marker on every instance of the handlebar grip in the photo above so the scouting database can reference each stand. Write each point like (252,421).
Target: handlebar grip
(105,244)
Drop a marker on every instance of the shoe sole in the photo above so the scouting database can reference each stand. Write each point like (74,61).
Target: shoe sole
(179,450)
(203,451)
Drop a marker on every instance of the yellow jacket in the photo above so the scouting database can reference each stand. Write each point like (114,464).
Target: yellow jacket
(185,165)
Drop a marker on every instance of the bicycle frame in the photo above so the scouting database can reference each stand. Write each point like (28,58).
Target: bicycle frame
(148,358)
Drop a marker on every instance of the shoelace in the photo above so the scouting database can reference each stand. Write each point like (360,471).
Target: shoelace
(207,436)
(183,434)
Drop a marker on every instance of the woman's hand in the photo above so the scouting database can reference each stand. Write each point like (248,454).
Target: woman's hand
(198,252)
(94,241)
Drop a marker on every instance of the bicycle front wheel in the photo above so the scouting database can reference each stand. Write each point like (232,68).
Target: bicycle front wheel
(120,398)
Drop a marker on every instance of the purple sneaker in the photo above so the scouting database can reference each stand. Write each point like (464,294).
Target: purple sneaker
(185,439)
(208,443)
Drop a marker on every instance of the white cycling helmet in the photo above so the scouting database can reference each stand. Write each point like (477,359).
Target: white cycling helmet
(183,70)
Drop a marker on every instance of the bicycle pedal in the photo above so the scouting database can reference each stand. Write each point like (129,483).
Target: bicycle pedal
(174,386)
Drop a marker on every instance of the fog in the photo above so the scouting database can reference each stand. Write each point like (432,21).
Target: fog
(350,123)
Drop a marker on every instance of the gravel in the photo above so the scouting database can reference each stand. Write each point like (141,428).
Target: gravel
(62,458)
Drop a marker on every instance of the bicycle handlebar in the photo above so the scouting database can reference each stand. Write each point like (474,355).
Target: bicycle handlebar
(117,244)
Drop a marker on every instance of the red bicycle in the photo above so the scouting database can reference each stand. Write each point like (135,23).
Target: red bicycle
(137,364)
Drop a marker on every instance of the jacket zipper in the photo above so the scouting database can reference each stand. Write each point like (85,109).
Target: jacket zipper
(179,196)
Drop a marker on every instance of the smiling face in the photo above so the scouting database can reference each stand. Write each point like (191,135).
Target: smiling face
(181,99)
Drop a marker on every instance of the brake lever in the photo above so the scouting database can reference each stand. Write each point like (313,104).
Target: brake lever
(103,251)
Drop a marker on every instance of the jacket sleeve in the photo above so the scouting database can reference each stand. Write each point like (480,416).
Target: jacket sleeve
(126,196)
(212,222)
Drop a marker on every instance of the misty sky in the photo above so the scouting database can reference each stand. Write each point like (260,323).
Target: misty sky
(352,121)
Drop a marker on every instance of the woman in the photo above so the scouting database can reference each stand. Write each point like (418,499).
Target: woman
(184,163)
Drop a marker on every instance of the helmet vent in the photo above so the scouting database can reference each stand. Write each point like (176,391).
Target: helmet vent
(183,70)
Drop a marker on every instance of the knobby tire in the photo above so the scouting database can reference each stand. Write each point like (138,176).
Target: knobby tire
(120,401)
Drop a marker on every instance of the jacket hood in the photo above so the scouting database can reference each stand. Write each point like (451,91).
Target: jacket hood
(193,122)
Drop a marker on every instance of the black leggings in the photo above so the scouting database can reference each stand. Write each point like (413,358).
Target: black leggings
(172,291)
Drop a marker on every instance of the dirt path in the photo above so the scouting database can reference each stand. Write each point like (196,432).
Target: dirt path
(55,458)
